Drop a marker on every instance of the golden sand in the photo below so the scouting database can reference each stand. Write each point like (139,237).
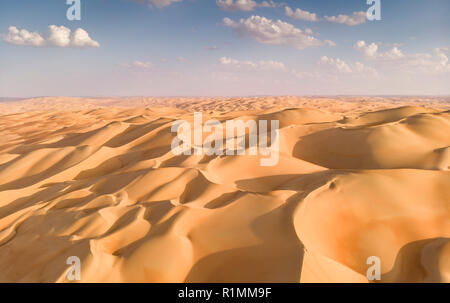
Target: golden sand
(96,178)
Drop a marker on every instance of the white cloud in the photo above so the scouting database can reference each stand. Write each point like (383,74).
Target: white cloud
(240,69)
(394,53)
(360,68)
(244,5)
(236,5)
(303,75)
(441,54)
(337,63)
(58,36)
(23,37)
(436,62)
(300,14)
(342,67)
(271,71)
(395,58)
(212,48)
(161,3)
(371,51)
(80,38)
(139,64)
(330,43)
(269,65)
(272,32)
(355,19)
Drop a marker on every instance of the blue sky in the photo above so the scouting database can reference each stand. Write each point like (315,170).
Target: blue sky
(187,47)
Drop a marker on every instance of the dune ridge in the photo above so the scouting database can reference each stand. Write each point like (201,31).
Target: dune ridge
(97,179)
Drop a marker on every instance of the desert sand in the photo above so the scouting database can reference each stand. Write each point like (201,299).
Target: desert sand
(96,178)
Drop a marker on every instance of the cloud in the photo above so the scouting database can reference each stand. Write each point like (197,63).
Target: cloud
(330,43)
(394,53)
(300,14)
(58,36)
(158,3)
(139,64)
(23,37)
(395,58)
(80,38)
(360,68)
(342,67)
(337,63)
(163,3)
(61,36)
(238,69)
(441,54)
(269,65)
(272,32)
(371,51)
(244,5)
(331,69)
(303,75)
(355,19)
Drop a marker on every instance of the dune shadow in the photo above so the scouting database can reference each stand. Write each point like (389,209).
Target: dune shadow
(337,148)
(277,259)
(417,262)
(279,256)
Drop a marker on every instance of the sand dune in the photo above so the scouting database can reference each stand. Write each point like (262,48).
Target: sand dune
(96,178)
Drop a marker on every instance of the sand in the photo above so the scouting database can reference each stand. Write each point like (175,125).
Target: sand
(96,178)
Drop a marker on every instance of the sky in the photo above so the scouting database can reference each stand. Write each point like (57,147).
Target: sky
(224,48)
